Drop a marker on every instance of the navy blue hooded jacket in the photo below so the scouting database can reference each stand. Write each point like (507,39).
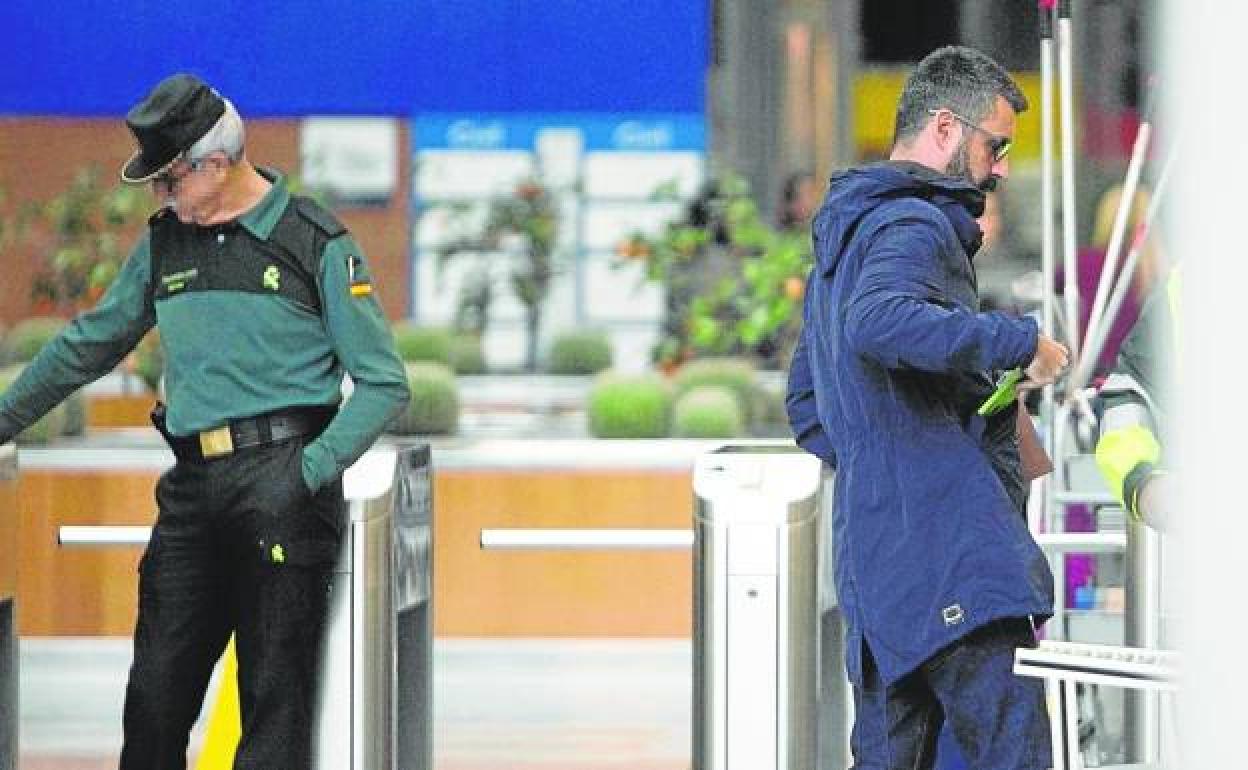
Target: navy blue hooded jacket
(893,361)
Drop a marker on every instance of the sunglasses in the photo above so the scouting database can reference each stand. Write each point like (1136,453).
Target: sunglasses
(999,145)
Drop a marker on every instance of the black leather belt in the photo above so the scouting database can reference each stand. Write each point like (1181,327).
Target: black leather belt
(245,432)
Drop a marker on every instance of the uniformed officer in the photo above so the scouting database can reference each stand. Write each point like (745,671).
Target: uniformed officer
(1136,399)
(263,301)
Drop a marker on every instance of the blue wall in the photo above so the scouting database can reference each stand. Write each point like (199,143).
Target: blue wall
(364,57)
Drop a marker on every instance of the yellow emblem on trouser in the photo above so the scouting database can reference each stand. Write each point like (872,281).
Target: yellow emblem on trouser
(276,554)
(217,442)
(271,277)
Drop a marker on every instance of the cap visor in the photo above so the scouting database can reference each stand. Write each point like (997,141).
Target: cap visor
(139,169)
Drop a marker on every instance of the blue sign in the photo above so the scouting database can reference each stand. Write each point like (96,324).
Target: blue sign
(366,57)
(641,132)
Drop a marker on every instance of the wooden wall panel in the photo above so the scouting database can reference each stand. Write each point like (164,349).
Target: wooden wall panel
(533,593)
(478,593)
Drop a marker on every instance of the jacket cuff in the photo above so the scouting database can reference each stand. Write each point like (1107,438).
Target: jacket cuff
(1030,342)
(1133,484)
(317,466)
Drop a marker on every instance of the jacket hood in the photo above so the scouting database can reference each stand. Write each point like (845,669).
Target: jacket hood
(854,193)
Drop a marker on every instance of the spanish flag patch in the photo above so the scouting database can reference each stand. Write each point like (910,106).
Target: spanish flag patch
(360,285)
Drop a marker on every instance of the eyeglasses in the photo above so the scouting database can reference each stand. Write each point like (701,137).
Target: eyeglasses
(169,180)
(999,145)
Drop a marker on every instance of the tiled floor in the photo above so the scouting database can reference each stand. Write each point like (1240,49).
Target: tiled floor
(513,704)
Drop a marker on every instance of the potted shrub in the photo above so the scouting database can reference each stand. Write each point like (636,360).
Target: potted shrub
(580,352)
(708,411)
(629,407)
(434,406)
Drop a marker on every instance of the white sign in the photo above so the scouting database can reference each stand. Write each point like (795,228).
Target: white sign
(354,160)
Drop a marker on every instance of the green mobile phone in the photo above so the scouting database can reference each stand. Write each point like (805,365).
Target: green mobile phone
(1004,395)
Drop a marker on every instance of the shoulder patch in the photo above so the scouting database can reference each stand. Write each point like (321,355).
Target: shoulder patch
(318,215)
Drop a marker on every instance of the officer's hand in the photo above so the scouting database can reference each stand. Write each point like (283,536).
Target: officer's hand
(1050,361)
(1153,500)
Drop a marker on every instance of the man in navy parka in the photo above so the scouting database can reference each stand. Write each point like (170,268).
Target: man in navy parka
(938,578)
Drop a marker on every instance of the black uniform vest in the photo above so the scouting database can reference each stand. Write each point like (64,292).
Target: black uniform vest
(228,257)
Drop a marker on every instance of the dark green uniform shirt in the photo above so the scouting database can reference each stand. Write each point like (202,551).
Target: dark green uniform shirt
(237,351)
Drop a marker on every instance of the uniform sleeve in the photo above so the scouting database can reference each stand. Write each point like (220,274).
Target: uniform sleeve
(898,316)
(1128,452)
(89,347)
(362,341)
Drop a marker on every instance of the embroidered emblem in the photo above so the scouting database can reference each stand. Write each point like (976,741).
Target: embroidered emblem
(177,281)
(953,614)
(271,277)
(277,554)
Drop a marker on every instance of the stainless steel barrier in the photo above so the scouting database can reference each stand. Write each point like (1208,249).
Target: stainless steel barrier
(755,608)
(8,607)
(770,690)
(376,700)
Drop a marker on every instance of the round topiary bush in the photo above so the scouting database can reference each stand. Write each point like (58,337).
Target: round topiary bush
(735,374)
(422,343)
(580,352)
(708,411)
(27,338)
(629,407)
(467,355)
(50,426)
(434,408)
(76,408)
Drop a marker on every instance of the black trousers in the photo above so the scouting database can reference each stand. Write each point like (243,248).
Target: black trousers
(999,719)
(240,546)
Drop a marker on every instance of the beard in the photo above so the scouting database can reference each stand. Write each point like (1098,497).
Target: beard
(960,168)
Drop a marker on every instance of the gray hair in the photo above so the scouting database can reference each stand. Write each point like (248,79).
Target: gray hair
(955,78)
(225,136)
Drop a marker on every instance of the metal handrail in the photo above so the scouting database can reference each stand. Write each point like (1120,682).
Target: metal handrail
(586,539)
(102,536)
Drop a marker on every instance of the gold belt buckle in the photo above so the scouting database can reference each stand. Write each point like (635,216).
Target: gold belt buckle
(216,442)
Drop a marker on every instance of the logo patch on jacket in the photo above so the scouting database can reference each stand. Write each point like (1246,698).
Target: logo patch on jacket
(177,281)
(953,614)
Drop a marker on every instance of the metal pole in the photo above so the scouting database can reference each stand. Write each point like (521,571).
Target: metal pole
(1083,371)
(1065,48)
(1048,262)
(1118,234)
(1143,629)
(1052,523)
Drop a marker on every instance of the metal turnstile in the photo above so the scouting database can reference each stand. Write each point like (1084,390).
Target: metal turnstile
(376,705)
(378,649)
(769,684)
(8,607)
(756,624)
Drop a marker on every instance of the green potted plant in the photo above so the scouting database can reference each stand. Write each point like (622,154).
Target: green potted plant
(708,411)
(580,352)
(733,284)
(629,406)
(434,405)
(81,231)
(525,223)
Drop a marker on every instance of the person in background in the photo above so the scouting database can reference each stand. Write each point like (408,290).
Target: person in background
(263,300)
